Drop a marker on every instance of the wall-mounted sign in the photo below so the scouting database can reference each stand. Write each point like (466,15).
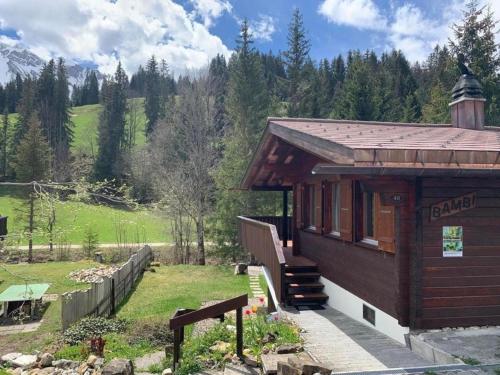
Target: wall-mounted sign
(453,241)
(394,199)
(453,206)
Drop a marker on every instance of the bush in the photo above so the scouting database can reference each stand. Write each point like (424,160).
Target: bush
(154,332)
(92,327)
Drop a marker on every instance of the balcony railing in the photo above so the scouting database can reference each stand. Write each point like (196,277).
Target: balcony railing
(262,240)
(277,221)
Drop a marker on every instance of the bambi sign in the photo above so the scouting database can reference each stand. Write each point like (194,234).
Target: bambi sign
(453,206)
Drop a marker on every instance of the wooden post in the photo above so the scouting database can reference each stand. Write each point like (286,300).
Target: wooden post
(284,225)
(113,306)
(177,348)
(239,332)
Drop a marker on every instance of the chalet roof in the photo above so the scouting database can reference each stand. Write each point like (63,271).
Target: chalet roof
(346,146)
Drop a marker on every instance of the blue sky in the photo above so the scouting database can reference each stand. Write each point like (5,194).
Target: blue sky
(188,33)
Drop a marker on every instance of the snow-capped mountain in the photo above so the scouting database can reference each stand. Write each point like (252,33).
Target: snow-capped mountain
(18,59)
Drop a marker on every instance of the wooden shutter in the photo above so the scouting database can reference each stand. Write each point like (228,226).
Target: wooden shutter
(385,225)
(327,207)
(318,192)
(298,193)
(346,210)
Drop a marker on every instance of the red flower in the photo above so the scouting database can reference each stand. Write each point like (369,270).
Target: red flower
(261,300)
(248,312)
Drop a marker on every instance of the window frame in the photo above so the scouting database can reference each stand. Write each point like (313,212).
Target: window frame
(361,219)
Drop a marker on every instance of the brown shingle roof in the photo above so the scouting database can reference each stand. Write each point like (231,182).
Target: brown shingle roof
(394,136)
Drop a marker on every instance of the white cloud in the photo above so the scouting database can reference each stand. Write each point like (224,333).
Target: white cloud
(104,32)
(414,34)
(209,10)
(263,28)
(362,14)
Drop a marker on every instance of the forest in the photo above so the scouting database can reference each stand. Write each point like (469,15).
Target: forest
(202,128)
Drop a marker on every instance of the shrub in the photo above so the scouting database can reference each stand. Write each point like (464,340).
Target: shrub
(154,332)
(92,327)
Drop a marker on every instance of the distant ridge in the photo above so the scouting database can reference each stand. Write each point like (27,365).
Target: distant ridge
(19,59)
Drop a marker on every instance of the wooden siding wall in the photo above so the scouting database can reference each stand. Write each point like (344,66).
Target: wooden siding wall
(378,277)
(461,291)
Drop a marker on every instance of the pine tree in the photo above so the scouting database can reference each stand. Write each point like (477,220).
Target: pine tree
(475,39)
(411,110)
(93,89)
(5,127)
(26,108)
(436,111)
(326,89)
(218,77)
(295,58)
(63,126)
(111,130)
(152,96)
(45,98)
(32,161)
(2,98)
(247,108)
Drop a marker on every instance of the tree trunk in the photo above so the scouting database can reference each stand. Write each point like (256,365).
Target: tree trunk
(200,234)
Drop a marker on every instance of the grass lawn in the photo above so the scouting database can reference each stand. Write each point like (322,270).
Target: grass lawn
(73,218)
(155,299)
(55,274)
(160,293)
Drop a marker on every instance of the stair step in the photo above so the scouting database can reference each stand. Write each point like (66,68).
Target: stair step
(301,286)
(302,275)
(295,268)
(308,298)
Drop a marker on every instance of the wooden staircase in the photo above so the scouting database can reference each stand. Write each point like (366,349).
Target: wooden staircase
(302,285)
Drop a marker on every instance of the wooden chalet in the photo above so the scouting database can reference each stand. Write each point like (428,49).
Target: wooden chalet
(396,225)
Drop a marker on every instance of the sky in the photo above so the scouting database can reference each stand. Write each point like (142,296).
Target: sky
(188,33)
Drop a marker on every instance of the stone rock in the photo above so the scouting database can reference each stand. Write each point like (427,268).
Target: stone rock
(118,366)
(10,357)
(82,369)
(91,360)
(46,360)
(250,360)
(16,371)
(24,361)
(268,338)
(289,348)
(287,369)
(220,346)
(167,371)
(155,264)
(308,367)
(240,269)
(65,364)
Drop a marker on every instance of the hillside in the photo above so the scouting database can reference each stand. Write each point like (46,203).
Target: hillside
(86,120)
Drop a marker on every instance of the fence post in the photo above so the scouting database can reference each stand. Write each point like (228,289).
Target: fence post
(113,306)
(239,332)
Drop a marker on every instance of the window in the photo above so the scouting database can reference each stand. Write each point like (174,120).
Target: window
(310,198)
(335,207)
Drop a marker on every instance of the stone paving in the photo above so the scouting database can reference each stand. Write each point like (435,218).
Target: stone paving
(476,344)
(253,275)
(347,345)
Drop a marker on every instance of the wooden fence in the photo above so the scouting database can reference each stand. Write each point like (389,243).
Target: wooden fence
(103,297)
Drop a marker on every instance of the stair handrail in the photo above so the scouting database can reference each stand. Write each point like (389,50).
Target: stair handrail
(273,259)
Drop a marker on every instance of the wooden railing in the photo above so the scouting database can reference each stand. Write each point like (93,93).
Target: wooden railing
(277,221)
(262,240)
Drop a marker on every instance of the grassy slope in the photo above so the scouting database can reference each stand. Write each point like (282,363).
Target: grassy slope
(56,275)
(86,120)
(73,217)
(160,293)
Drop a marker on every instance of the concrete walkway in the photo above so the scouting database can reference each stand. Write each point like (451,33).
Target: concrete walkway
(341,342)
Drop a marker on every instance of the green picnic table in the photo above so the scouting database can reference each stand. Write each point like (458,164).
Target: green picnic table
(21,293)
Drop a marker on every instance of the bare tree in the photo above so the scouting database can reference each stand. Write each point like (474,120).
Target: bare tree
(183,152)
